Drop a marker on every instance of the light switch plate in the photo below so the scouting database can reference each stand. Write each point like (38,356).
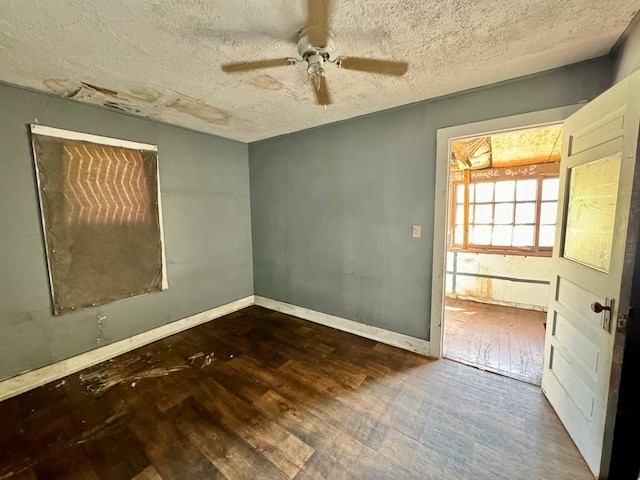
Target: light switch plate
(416,231)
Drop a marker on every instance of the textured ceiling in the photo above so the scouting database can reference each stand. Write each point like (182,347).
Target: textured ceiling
(161,58)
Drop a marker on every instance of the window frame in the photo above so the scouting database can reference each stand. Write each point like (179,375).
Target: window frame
(547,171)
(61,134)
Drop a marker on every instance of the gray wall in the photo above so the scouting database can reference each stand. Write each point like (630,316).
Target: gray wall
(332,207)
(205,199)
(627,51)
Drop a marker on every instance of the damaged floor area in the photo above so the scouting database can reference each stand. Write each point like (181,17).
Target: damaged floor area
(262,395)
(504,340)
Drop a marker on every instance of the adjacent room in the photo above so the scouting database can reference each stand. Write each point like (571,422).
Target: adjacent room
(502,216)
(319,239)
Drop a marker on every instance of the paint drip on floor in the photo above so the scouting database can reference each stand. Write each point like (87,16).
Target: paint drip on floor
(103,377)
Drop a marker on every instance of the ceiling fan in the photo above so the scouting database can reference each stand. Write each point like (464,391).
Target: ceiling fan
(315,46)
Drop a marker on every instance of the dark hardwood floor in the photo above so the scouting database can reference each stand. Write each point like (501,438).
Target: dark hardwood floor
(261,395)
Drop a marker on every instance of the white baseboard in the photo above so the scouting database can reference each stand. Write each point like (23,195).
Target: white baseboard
(399,340)
(26,381)
(35,378)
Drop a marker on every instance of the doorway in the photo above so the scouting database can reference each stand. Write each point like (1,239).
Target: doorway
(503,198)
(492,251)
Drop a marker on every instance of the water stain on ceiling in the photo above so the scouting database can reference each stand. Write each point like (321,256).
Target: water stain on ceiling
(143,102)
(266,82)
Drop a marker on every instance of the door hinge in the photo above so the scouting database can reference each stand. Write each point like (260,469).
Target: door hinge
(623,319)
(622,322)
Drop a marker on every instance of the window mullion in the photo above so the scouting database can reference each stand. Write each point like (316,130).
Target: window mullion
(453,213)
(493,212)
(465,235)
(536,228)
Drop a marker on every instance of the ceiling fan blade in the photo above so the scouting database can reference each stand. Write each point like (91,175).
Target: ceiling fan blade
(244,66)
(318,12)
(384,67)
(319,85)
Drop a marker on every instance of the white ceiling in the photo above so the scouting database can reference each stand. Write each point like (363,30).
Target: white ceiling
(163,57)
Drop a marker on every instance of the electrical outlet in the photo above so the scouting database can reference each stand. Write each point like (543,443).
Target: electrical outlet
(416,231)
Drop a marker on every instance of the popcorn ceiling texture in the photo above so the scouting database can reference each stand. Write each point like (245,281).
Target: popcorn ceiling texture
(161,58)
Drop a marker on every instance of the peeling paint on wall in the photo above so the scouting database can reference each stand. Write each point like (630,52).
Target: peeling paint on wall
(509,280)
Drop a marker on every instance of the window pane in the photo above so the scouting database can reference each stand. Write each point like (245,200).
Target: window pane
(504,213)
(501,235)
(550,188)
(505,191)
(472,189)
(484,192)
(548,213)
(459,214)
(460,193)
(525,213)
(483,214)
(526,190)
(480,234)
(457,235)
(523,236)
(547,234)
(591,213)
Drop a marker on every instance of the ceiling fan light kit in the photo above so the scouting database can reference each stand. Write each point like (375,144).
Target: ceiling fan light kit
(315,46)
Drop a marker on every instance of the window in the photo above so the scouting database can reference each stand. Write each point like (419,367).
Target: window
(100,206)
(506,215)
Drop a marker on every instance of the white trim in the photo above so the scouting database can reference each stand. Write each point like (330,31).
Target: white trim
(440,221)
(87,137)
(163,253)
(42,219)
(21,383)
(374,333)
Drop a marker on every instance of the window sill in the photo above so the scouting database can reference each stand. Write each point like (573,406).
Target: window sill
(502,251)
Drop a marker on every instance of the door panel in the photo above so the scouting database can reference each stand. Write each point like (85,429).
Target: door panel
(579,299)
(600,130)
(573,340)
(580,392)
(592,260)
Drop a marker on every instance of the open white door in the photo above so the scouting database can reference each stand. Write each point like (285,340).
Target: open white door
(593,260)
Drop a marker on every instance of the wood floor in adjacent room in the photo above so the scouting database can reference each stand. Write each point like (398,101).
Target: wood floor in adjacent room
(505,340)
(268,396)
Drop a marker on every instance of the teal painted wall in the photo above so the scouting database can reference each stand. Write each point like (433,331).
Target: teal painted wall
(205,200)
(627,52)
(332,207)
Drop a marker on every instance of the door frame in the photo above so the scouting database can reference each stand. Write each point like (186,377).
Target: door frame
(441,206)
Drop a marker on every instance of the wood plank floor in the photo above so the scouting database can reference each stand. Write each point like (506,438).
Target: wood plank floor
(268,396)
(504,340)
